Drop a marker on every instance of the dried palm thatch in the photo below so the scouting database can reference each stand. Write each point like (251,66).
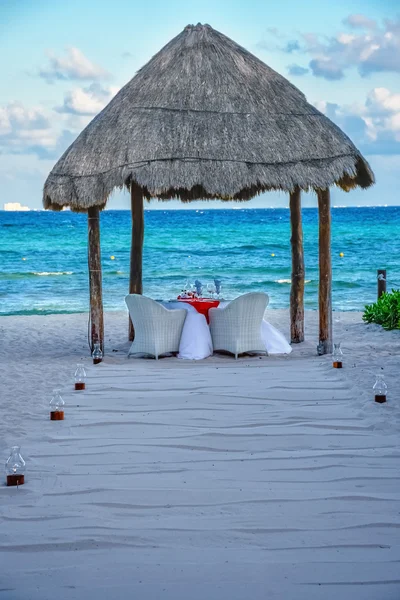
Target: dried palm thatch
(205,119)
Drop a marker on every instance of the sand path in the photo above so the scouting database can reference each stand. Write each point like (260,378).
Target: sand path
(262,478)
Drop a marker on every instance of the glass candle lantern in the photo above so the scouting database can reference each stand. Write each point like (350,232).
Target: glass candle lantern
(97,354)
(337,357)
(15,468)
(80,377)
(57,406)
(380,389)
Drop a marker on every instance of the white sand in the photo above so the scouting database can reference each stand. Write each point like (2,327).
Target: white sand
(258,479)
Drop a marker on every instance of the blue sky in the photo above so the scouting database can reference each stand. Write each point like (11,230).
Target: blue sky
(65,60)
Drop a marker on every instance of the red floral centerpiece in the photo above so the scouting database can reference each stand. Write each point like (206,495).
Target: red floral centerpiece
(184,295)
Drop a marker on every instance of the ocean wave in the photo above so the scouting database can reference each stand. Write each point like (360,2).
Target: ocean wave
(4,276)
(47,273)
(247,247)
(41,312)
(339,284)
(290,281)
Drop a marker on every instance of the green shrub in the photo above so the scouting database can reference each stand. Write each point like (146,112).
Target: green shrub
(385,312)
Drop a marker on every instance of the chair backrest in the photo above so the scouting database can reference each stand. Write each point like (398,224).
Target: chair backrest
(141,307)
(249,308)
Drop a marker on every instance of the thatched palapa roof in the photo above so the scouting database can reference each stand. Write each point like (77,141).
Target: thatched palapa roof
(204,118)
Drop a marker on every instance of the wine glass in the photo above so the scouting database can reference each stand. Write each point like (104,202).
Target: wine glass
(198,287)
(211,289)
(218,287)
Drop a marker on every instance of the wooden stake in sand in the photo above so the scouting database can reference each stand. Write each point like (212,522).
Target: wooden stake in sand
(297,289)
(325,273)
(95,280)
(381,282)
(135,280)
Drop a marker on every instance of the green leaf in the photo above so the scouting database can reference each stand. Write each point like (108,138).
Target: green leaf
(385,311)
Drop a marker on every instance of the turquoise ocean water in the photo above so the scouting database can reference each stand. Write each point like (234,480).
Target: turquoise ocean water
(236,245)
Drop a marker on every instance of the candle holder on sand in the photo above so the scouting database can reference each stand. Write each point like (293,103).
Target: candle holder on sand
(80,377)
(380,389)
(15,468)
(97,354)
(57,406)
(337,356)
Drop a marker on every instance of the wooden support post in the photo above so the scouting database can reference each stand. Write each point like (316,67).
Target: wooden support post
(381,282)
(135,280)
(297,289)
(325,273)
(95,280)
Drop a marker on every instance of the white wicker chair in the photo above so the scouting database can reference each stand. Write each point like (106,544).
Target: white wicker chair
(237,327)
(157,329)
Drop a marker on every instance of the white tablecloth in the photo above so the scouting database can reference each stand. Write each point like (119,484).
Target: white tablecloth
(196,342)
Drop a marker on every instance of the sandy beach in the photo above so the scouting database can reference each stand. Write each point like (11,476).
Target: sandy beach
(242,151)
(268,477)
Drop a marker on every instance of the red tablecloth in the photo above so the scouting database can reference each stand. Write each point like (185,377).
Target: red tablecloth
(202,305)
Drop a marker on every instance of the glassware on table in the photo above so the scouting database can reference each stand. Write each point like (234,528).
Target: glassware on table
(80,377)
(380,389)
(57,405)
(217,283)
(15,467)
(337,356)
(199,287)
(211,289)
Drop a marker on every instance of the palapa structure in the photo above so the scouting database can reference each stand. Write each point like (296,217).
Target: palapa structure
(206,119)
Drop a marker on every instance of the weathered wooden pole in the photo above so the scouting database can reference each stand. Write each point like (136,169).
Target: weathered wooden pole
(297,289)
(95,280)
(381,282)
(135,280)
(325,272)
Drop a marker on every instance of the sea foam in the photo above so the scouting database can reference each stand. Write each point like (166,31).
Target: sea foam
(44,273)
(290,281)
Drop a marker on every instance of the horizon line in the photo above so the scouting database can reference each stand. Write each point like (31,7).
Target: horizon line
(197,209)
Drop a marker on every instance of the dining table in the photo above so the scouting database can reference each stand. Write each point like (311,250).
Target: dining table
(196,341)
(202,305)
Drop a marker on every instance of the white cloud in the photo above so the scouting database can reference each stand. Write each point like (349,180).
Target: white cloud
(87,101)
(359,21)
(15,114)
(34,130)
(74,65)
(22,127)
(374,125)
(30,131)
(326,67)
(296,70)
(370,48)
(5,124)
(382,101)
(346,38)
